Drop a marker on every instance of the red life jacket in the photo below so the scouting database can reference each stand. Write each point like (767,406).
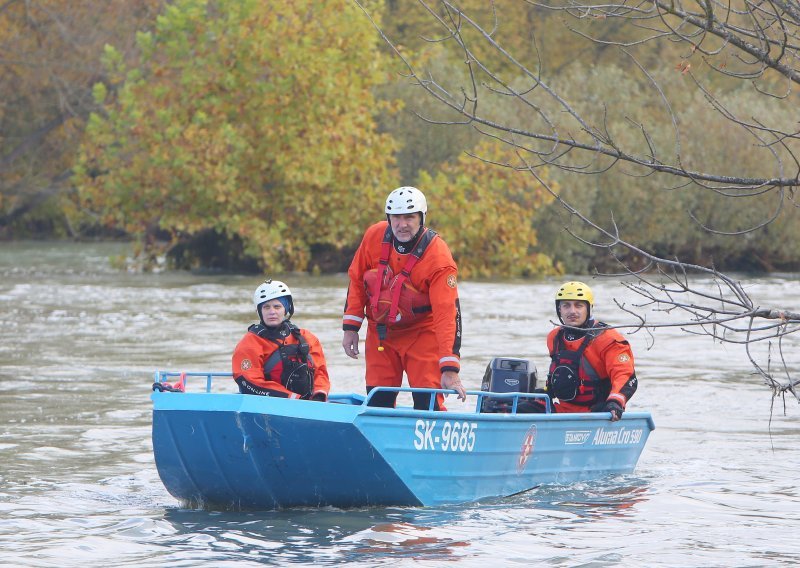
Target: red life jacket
(392,300)
(571,377)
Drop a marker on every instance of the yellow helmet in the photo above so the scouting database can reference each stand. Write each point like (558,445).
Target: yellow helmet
(575,291)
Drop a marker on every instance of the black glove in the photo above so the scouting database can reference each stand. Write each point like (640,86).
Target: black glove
(162,387)
(611,406)
(319,396)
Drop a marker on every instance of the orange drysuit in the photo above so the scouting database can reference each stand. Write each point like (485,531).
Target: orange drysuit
(605,370)
(260,347)
(425,338)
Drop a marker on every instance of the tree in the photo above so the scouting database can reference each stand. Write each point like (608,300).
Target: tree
(487,209)
(422,146)
(49,60)
(253,119)
(563,126)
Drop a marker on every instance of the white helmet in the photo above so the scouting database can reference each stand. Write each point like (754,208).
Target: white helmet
(406,200)
(270,290)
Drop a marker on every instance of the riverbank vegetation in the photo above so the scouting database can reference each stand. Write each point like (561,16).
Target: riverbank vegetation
(658,141)
(256,135)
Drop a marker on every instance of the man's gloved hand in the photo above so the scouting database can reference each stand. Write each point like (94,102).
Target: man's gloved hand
(611,406)
(166,387)
(319,396)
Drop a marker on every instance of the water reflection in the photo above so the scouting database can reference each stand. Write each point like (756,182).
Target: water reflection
(327,536)
(332,536)
(609,498)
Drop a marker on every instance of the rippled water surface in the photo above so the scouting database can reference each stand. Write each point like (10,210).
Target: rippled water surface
(717,484)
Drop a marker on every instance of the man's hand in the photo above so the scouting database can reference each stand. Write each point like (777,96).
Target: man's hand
(350,344)
(451,380)
(611,406)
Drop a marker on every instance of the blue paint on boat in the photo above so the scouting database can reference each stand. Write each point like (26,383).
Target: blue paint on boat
(238,451)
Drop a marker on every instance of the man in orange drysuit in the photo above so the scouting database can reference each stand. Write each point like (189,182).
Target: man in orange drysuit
(403,279)
(591,368)
(275,357)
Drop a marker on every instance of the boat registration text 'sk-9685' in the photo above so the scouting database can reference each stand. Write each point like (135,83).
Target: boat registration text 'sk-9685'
(454,436)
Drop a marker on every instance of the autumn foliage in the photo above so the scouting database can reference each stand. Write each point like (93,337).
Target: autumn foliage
(245,118)
(49,62)
(485,212)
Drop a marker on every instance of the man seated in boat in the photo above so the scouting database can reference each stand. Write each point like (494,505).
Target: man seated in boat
(275,357)
(591,365)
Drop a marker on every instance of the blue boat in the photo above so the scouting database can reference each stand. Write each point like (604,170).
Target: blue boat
(236,451)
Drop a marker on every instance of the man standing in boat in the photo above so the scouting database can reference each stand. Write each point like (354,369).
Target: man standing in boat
(591,367)
(275,357)
(403,280)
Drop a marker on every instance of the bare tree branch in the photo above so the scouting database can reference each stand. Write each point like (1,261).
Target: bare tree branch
(744,41)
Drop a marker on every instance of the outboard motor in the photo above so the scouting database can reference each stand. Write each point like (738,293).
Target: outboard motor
(505,374)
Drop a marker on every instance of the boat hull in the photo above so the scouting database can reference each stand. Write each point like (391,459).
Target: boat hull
(249,452)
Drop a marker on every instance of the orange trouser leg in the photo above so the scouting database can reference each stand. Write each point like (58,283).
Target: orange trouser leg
(420,359)
(384,368)
(415,352)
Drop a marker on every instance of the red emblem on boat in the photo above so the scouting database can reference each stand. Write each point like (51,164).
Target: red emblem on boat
(527,448)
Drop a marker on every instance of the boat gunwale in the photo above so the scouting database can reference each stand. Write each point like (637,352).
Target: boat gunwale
(303,408)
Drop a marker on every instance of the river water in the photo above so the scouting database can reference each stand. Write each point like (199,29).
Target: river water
(717,484)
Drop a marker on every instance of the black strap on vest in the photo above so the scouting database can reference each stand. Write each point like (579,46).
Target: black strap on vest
(283,352)
(559,344)
(292,356)
(564,379)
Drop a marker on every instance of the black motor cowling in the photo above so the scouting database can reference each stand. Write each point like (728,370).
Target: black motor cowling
(506,374)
